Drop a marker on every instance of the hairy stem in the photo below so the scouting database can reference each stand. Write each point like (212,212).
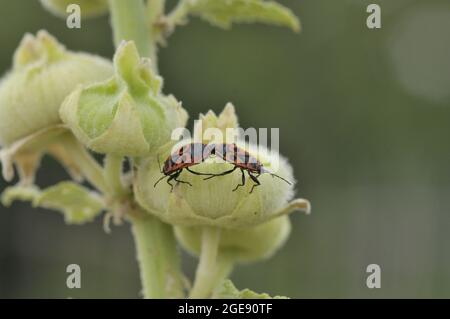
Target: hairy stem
(157,254)
(113,175)
(130,23)
(205,275)
(157,257)
(224,267)
(155,9)
(87,165)
(178,15)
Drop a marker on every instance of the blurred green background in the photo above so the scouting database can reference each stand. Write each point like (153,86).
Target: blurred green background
(364,118)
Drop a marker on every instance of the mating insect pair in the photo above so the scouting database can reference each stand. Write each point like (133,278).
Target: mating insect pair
(196,153)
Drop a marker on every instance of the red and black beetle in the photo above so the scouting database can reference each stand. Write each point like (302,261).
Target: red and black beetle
(241,159)
(195,153)
(183,158)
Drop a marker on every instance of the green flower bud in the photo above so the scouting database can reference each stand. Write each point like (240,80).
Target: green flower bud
(89,8)
(226,124)
(126,115)
(43,74)
(213,202)
(241,245)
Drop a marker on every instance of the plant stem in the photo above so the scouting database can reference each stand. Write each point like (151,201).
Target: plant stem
(205,275)
(157,257)
(178,15)
(130,23)
(113,175)
(88,166)
(224,267)
(155,9)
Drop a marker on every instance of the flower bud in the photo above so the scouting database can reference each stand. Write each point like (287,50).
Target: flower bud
(126,115)
(217,201)
(241,245)
(222,128)
(43,74)
(89,8)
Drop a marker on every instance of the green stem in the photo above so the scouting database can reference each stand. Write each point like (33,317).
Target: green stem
(113,175)
(157,257)
(88,166)
(129,22)
(178,15)
(155,9)
(224,267)
(205,275)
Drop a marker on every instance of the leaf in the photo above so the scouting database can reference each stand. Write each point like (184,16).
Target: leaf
(223,13)
(78,204)
(229,291)
(88,8)
(29,148)
(21,193)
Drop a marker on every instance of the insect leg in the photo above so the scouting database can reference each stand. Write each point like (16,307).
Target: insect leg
(176,175)
(197,173)
(255,180)
(243,181)
(173,177)
(165,176)
(222,174)
(168,182)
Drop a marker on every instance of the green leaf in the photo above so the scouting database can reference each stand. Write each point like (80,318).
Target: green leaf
(78,204)
(88,8)
(25,148)
(229,291)
(21,193)
(223,13)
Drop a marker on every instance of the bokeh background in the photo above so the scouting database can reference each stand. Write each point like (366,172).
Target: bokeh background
(365,121)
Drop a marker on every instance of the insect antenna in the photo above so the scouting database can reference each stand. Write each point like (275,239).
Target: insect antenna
(263,170)
(160,169)
(159,163)
(275,175)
